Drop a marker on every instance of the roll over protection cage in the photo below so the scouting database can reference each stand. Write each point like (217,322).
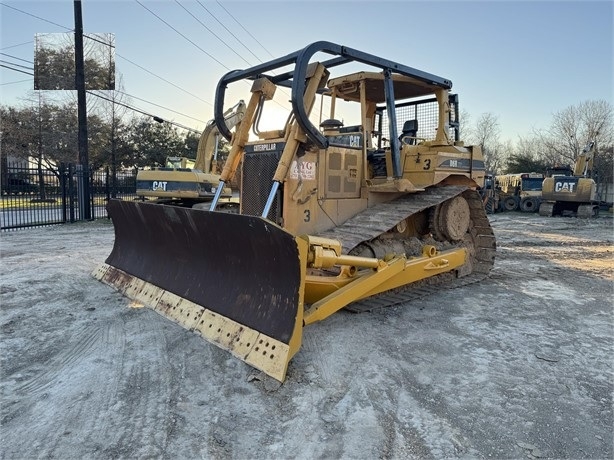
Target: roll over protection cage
(296,79)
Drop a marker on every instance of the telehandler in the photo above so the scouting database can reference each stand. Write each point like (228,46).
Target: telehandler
(331,216)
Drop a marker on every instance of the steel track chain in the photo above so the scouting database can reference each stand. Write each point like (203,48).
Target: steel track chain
(383,217)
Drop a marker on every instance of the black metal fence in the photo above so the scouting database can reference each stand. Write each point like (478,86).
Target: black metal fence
(32,197)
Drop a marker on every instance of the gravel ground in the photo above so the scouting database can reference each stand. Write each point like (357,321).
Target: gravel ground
(517,366)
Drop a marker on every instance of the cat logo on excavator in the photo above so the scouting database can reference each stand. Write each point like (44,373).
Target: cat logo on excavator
(330,217)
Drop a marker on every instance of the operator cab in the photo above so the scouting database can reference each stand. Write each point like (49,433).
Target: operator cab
(415,106)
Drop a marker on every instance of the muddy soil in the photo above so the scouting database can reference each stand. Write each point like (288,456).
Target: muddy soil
(519,365)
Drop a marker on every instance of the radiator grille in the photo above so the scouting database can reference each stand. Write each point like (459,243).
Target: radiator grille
(256,182)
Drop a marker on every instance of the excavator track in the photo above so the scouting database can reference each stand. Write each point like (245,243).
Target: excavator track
(370,224)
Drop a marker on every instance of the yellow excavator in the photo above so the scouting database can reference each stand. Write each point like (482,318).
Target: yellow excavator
(572,195)
(192,183)
(332,215)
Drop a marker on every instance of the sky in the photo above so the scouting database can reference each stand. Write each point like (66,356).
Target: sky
(522,61)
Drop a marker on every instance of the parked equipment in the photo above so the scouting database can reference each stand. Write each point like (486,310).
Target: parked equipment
(189,183)
(572,195)
(490,194)
(520,191)
(363,214)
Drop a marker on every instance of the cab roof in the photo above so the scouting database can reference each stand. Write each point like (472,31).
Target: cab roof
(347,87)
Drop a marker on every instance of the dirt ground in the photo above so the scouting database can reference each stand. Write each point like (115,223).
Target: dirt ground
(517,366)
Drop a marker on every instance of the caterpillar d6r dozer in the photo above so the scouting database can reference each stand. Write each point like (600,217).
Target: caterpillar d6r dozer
(330,216)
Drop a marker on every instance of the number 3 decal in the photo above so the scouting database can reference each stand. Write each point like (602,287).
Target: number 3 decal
(307,215)
(427,164)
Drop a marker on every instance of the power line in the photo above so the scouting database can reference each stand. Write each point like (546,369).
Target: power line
(169,25)
(15,57)
(122,104)
(213,33)
(229,31)
(107,44)
(245,46)
(16,65)
(16,70)
(55,24)
(227,68)
(34,16)
(18,44)
(163,79)
(237,21)
(155,117)
(13,82)
(99,41)
(161,106)
(2,62)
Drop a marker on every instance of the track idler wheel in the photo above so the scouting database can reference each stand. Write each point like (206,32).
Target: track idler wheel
(450,220)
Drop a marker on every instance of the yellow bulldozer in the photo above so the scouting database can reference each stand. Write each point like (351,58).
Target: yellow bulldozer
(331,215)
(192,183)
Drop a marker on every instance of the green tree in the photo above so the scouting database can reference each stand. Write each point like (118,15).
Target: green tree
(152,142)
(54,69)
(16,134)
(191,144)
(519,163)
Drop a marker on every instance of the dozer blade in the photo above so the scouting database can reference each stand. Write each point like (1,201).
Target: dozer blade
(236,280)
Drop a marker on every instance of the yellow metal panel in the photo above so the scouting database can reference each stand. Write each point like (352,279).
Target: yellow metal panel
(185,313)
(260,351)
(351,292)
(330,294)
(100,271)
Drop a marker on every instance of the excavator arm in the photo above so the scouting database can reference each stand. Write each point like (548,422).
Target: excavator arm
(206,154)
(584,162)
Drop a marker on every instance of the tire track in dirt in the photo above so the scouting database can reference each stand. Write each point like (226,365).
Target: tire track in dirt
(85,343)
(110,393)
(113,343)
(80,394)
(143,392)
(88,378)
(91,395)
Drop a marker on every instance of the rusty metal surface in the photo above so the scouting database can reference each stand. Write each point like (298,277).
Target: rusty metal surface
(241,267)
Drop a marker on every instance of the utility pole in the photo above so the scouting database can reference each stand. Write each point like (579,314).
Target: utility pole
(83,170)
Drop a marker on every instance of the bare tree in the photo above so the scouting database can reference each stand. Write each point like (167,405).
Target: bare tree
(529,147)
(466,130)
(112,110)
(485,133)
(574,126)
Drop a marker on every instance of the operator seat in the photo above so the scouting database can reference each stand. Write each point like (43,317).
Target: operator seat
(331,124)
(410,129)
